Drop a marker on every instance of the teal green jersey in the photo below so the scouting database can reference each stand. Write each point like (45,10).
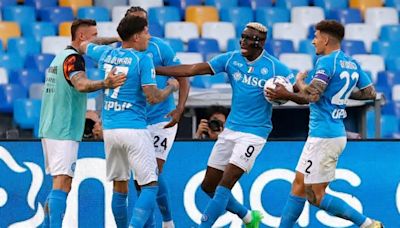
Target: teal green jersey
(63,109)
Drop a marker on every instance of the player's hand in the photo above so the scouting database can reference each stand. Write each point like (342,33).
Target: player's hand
(202,128)
(114,80)
(280,92)
(97,131)
(176,116)
(174,83)
(301,75)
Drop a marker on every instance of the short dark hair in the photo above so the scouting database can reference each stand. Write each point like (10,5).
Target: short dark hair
(79,23)
(217,109)
(131,25)
(135,9)
(332,28)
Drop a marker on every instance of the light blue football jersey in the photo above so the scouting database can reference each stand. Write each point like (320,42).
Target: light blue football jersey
(162,55)
(250,111)
(342,74)
(125,106)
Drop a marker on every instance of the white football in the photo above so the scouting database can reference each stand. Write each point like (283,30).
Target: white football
(271,83)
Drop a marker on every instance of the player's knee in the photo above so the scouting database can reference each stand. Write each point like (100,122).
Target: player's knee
(313,197)
(121,186)
(62,182)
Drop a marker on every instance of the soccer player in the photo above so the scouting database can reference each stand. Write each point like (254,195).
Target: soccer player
(62,115)
(333,81)
(248,124)
(127,141)
(163,117)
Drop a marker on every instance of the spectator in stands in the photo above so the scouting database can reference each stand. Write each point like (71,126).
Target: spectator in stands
(93,128)
(210,128)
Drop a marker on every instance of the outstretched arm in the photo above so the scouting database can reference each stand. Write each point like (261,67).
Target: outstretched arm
(183,94)
(185,70)
(367,93)
(99,40)
(155,95)
(83,84)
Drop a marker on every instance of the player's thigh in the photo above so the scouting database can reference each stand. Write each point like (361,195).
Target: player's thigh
(221,152)
(116,142)
(60,156)
(319,158)
(163,139)
(142,157)
(246,150)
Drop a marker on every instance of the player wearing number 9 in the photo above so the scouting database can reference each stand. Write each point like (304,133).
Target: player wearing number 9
(334,78)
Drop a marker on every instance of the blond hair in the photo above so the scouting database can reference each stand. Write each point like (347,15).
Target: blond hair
(257,26)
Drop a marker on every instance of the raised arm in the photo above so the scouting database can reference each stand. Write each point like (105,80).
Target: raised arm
(367,93)
(99,41)
(155,95)
(185,70)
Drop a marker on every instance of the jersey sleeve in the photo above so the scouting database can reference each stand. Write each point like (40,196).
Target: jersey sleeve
(73,64)
(364,80)
(323,70)
(283,70)
(219,63)
(147,71)
(168,55)
(95,51)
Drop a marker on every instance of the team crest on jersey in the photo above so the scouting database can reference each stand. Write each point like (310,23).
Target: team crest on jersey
(264,71)
(237,76)
(150,55)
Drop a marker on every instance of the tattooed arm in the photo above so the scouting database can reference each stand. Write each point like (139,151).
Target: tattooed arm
(367,93)
(83,84)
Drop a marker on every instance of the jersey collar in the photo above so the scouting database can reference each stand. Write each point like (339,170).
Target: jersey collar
(255,60)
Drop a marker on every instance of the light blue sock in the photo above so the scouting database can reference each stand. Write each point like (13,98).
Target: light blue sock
(144,206)
(162,199)
(151,221)
(292,211)
(120,209)
(57,205)
(339,208)
(46,221)
(233,206)
(215,207)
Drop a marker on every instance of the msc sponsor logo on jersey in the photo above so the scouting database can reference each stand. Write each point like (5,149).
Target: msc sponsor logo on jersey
(114,105)
(249,80)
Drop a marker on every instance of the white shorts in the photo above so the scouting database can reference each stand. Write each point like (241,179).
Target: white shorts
(60,156)
(319,159)
(237,148)
(163,138)
(128,149)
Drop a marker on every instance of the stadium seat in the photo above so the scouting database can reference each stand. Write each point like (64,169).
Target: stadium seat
(396,92)
(11,61)
(56,15)
(118,12)
(206,81)
(64,28)
(307,15)
(3,76)
(95,74)
(54,44)
(386,49)
(393,64)
(393,3)
(20,14)
(181,30)
(26,77)
(189,57)
(40,62)
(220,4)
(346,16)
(297,61)
(203,45)
(331,5)
(4,3)
(38,30)
(353,47)
(386,78)
(221,31)
(306,47)
(270,15)
(176,44)
(23,46)
(390,33)
(156,30)
(233,44)
(36,90)
(289,4)
(362,5)
(182,5)
(8,94)
(201,14)
(163,15)
(26,112)
(96,13)
(255,4)
(146,4)
(372,63)
(107,29)
(378,17)
(40,4)
(237,15)
(75,4)
(361,31)
(110,4)
(7,30)
(276,47)
(289,31)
